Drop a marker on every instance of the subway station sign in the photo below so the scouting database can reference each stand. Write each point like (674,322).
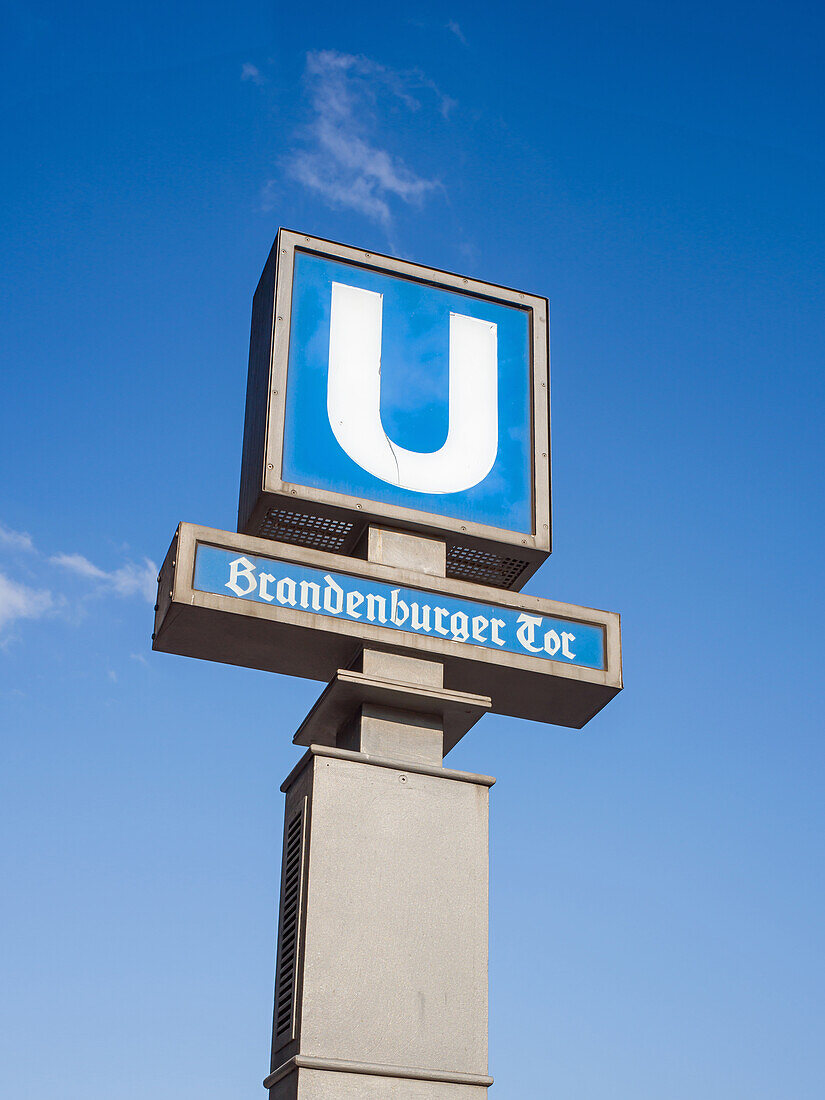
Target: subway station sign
(249,601)
(395,498)
(383,394)
(384,391)
(266,580)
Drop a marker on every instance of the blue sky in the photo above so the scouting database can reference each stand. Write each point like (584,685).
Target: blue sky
(657,894)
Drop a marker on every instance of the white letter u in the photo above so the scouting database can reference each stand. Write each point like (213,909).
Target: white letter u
(354,398)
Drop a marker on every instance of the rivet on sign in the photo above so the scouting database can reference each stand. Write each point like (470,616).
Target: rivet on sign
(465,280)
(357,505)
(368,254)
(543,455)
(280,318)
(275,392)
(295,492)
(402,779)
(269,467)
(463,528)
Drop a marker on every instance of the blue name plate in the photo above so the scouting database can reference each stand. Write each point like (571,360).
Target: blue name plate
(409,610)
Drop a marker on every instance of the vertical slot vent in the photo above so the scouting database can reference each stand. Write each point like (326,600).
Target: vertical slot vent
(285,983)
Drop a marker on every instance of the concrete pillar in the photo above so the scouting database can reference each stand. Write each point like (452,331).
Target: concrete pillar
(381,986)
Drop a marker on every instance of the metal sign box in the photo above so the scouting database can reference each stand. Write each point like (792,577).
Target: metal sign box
(383,391)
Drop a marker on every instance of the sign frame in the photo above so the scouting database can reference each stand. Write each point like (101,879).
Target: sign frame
(326,519)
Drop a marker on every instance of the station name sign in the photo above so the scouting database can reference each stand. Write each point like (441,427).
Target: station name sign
(267,580)
(298,611)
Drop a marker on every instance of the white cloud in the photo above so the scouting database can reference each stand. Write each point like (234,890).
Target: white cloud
(457,31)
(130,580)
(136,580)
(253,73)
(76,563)
(17,540)
(341,155)
(18,601)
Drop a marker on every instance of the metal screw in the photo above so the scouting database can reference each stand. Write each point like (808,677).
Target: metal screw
(280,318)
(269,467)
(358,506)
(402,779)
(295,492)
(275,392)
(368,254)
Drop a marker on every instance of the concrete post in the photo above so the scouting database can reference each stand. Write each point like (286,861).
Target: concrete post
(381,986)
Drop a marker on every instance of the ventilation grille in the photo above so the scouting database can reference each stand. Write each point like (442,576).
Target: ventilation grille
(289,928)
(465,563)
(302,529)
(321,532)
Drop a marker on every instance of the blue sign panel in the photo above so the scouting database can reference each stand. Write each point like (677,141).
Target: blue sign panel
(411,610)
(408,394)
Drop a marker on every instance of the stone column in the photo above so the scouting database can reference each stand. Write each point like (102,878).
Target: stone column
(381,986)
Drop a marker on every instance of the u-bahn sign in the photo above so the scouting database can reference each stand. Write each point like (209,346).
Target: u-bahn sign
(383,391)
(395,496)
(383,395)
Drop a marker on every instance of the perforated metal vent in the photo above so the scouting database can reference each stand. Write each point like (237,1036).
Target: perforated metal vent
(339,535)
(303,529)
(465,563)
(289,929)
